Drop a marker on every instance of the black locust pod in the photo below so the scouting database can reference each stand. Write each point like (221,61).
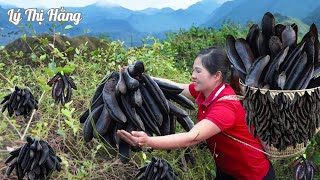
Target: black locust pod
(292,58)
(130,112)
(304,81)
(274,66)
(156,93)
(186,123)
(156,169)
(314,82)
(275,46)
(88,124)
(278,30)
(110,100)
(245,53)
(313,28)
(132,83)
(281,80)
(151,107)
(297,70)
(137,69)
(148,120)
(97,98)
(295,28)
(235,80)
(176,111)
(289,37)
(262,44)
(233,55)
(121,86)
(251,39)
(104,121)
(168,88)
(98,101)
(182,100)
(256,69)
(267,25)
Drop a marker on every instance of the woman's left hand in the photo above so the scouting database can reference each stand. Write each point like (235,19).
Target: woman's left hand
(135,138)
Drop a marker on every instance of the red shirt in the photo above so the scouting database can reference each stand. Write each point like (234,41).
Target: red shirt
(232,157)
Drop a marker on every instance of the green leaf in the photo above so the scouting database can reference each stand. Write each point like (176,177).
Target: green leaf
(33,56)
(24,37)
(69,49)
(1,66)
(48,71)
(52,67)
(43,57)
(68,27)
(66,113)
(68,69)
(44,41)
(144,156)
(21,54)
(77,51)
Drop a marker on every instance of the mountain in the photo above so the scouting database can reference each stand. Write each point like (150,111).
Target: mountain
(203,7)
(116,22)
(313,17)
(162,21)
(94,11)
(173,20)
(242,11)
(150,11)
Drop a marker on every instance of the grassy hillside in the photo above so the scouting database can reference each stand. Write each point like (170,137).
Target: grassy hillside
(29,62)
(64,133)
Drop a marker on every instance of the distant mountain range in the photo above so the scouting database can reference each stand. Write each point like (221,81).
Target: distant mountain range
(116,22)
(242,11)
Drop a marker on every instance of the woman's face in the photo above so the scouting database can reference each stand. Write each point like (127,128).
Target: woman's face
(202,79)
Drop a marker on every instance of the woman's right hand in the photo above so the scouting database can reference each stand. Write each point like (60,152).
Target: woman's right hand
(135,138)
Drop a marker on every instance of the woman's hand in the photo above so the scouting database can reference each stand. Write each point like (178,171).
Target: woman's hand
(135,138)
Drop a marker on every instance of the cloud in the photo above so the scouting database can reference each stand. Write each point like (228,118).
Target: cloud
(143,4)
(130,4)
(47,3)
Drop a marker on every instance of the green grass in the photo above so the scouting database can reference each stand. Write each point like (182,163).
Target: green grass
(82,160)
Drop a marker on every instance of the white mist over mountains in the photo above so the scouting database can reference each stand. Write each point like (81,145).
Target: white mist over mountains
(129,4)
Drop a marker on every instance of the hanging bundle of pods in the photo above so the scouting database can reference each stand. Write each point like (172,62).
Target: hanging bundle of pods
(156,169)
(20,102)
(132,100)
(36,159)
(62,88)
(304,169)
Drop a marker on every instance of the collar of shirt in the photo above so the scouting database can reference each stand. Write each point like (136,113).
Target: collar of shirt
(214,94)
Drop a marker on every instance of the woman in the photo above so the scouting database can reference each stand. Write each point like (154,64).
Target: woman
(219,117)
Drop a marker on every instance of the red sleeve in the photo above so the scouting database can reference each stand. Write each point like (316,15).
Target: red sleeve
(193,92)
(222,114)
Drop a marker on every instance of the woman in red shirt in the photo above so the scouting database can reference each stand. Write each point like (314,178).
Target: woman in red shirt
(219,118)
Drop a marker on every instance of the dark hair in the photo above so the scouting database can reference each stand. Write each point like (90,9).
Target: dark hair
(215,59)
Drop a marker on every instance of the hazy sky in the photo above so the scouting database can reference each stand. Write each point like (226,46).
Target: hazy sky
(130,4)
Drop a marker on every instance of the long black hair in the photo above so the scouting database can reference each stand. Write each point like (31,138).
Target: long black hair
(215,59)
